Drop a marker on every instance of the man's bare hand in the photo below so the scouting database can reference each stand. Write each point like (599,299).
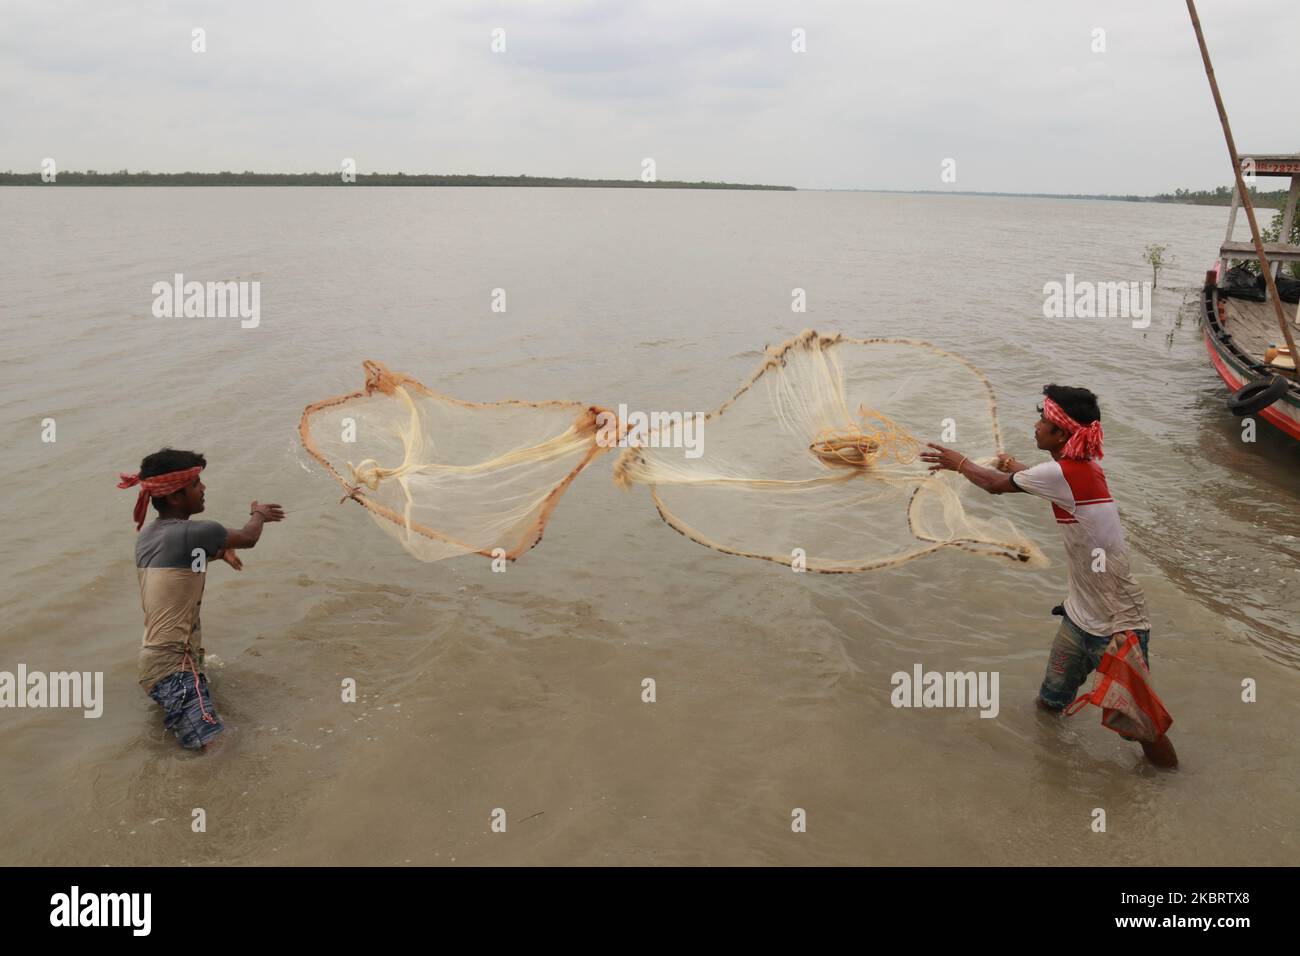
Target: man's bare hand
(268,512)
(232,559)
(1005,463)
(942,458)
(946,459)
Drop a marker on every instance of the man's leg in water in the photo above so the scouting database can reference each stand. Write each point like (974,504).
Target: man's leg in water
(184,709)
(1160,751)
(1067,668)
(1075,655)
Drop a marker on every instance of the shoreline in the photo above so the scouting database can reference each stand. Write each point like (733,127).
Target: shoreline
(225,178)
(122,178)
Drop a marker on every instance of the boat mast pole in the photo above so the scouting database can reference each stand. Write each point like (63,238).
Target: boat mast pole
(1241,185)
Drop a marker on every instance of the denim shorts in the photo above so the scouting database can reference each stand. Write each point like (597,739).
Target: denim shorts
(1075,655)
(184,707)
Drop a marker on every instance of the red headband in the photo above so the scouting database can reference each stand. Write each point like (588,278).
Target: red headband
(156,487)
(1085,440)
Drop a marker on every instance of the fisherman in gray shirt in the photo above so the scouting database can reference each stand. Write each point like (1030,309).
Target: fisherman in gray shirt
(171,557)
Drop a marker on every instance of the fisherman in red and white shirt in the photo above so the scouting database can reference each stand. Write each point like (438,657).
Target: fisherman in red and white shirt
(1103,600)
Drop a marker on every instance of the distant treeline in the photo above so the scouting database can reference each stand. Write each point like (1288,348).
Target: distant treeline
(1197,197)
(1222,196)
(124,178)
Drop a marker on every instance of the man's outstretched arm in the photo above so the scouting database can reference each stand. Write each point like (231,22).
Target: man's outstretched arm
(247,536)
(992,480)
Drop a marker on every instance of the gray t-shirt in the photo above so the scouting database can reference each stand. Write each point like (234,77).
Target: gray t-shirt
(167,564)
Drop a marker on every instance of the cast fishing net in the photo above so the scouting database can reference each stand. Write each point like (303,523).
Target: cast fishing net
(446,477)
(814,462)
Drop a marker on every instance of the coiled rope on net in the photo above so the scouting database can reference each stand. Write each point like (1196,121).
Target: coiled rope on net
(862,445)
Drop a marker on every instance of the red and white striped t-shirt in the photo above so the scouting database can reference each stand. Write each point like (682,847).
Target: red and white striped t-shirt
(1103,597)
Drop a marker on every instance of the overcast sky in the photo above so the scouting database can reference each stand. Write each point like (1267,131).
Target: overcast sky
(885,92)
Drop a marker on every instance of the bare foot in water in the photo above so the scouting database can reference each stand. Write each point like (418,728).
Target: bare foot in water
(1161,752)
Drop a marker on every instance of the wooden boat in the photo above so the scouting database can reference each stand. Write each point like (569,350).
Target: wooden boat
(1242,336)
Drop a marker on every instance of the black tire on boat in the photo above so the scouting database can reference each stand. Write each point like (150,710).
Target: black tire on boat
(1257,395)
